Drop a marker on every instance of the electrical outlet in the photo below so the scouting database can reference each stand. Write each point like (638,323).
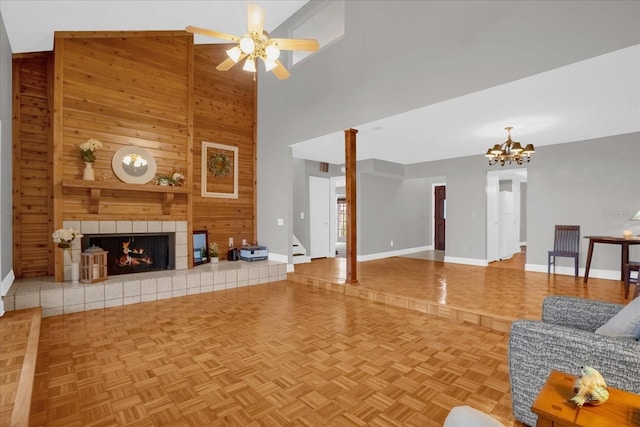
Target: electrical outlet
(230,241)
(391,243)
(244,242)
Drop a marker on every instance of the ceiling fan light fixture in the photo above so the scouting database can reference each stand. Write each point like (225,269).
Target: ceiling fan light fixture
(270,64)
(234,53)
(247,45)
(249,65)
(256,44)
(272,53)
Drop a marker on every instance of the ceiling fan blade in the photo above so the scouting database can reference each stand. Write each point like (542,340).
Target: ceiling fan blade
(280,71)
(297,44)
(212,33)
(226,65)
(255,18)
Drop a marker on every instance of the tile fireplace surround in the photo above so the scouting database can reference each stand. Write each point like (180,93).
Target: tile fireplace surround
(130,227)
(66,297)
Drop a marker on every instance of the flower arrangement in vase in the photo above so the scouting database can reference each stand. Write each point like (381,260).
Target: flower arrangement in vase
(63,237)
(213,251)
(87,152)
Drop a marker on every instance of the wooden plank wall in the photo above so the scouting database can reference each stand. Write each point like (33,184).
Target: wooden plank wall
(126,88)
(32,201)
(225,113)
(155,90)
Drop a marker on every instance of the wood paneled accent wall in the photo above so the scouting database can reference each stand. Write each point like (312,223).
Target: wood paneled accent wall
(225,113)
(32,160)
(123,89)
(146,89)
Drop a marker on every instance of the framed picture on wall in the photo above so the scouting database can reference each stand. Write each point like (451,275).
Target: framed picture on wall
(219,170)
(200,247)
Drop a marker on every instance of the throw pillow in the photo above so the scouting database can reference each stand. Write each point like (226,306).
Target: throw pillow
(466,416)
(623,324)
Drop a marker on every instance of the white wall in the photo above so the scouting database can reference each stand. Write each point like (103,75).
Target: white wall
(349,83)
(6,235)
(586,185)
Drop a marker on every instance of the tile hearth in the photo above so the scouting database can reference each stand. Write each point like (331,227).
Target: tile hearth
(66,297)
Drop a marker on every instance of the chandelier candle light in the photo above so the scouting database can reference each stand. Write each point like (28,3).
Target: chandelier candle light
(509,151)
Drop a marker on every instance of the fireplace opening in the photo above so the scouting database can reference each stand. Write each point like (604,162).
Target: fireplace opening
(135,253)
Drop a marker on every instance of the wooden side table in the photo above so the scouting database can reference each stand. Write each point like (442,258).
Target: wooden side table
(554,409)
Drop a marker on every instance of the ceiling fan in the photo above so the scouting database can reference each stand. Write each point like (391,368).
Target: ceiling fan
(255,43)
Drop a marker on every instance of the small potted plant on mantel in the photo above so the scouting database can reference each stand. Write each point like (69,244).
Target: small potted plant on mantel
(164,180)
(213,252)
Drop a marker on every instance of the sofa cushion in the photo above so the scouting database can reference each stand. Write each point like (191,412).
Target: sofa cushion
(623,324)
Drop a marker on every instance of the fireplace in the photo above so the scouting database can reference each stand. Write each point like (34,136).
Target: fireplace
(135,253)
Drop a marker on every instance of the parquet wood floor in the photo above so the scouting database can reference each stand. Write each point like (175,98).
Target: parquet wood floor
(280,354)
(516,262)
(287,354)
(501,293)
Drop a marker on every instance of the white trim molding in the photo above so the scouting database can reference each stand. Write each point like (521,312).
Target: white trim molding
(7,281)
(390,254)
(466,261)
(570,271)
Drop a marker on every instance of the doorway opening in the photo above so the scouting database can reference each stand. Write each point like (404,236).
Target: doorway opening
(507,218)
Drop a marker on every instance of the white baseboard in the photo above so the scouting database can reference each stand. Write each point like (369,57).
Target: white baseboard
(301,259)
(466,261)
(570,271)
(5,285)
(278,257)
(281,258)
(7,281)
(399,252)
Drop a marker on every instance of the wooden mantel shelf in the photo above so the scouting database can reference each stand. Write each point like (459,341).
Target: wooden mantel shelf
(97,186)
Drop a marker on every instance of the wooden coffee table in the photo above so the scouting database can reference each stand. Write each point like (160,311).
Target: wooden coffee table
(554,409)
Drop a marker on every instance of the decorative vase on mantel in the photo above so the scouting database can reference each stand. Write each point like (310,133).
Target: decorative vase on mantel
(88,173)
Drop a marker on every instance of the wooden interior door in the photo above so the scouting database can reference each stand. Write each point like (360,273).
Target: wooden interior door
(440,220)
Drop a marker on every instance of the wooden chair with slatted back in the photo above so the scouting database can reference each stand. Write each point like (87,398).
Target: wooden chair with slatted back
(628,279)
(566,243)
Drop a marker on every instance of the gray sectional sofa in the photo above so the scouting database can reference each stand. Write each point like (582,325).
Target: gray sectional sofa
(565,340)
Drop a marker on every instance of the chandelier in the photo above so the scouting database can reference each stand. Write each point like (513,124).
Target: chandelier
(509,151)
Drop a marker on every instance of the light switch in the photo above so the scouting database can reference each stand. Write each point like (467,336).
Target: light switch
(280,221)
(302,215)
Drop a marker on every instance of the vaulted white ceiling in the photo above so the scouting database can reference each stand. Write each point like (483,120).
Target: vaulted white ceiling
(596,97)
(30,24)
